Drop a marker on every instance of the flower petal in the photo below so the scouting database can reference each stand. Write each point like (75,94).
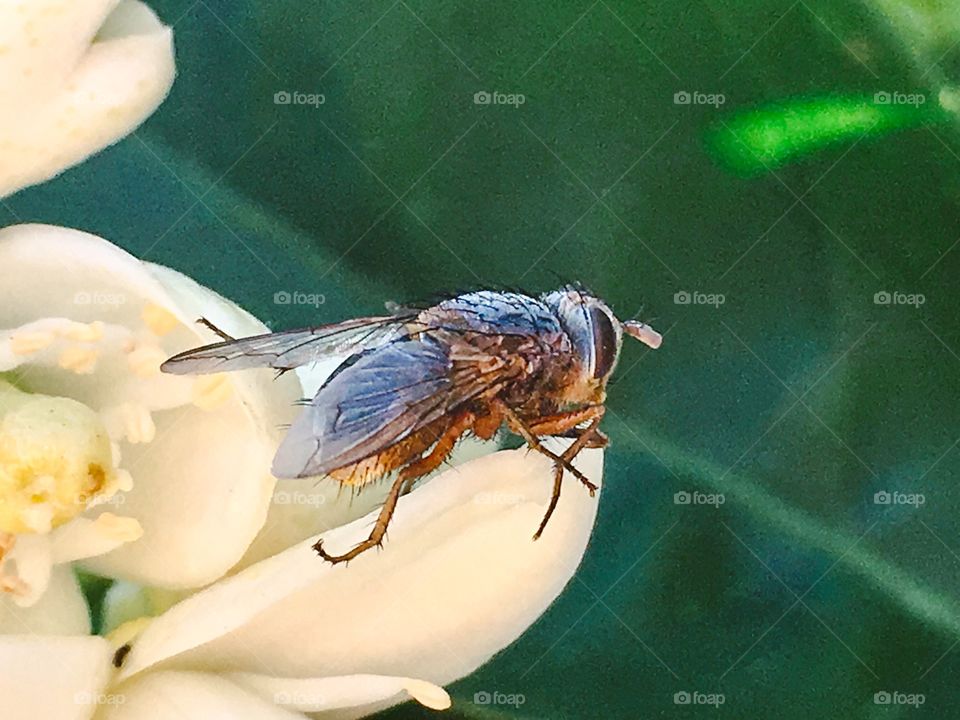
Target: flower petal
(304,508)
(459,557)
(61,610)
(74,78)
(52,677)
(201,485)
(317,695)
(180,695)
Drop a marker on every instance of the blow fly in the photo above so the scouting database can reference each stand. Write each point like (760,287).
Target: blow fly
(415,381)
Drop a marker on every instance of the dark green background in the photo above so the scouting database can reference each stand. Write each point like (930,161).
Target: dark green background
(286,192)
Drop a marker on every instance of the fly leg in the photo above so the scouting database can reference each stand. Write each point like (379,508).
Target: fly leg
(404,481)
(561,462)
(568,455)
(441,449)
(565,425)
(220,333)
(379,527)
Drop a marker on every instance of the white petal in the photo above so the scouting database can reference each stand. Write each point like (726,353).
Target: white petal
(186,695)
(67,91)
(52,678)
(33,559)
(201,488)
(61,610)
(458,580)
(306,507)
(319,695)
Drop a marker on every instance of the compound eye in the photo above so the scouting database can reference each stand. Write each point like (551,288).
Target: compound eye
(605,343)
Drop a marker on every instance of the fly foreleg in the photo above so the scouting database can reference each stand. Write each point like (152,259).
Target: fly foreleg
(563,461)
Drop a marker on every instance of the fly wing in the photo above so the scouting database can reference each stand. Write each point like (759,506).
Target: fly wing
(377,401)
(291,348)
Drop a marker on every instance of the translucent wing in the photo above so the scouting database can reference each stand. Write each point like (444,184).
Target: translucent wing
(291,348)
(377,401)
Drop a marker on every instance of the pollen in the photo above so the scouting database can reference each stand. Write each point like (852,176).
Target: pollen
(145,360)
(210,391)
(27,342)
(55,456)
(79,359)
(158,319)
(130,421)
(84,332)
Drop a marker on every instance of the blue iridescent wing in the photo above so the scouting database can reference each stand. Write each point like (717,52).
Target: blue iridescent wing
(372,403)
(291,348)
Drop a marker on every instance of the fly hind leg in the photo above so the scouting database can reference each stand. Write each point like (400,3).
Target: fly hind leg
(401,484)
(379,527)
(441,449)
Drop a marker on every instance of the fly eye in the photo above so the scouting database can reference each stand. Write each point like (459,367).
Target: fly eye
(605,343)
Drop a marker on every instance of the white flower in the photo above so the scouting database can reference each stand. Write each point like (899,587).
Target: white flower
(154,478)
(74,78)
(459,580)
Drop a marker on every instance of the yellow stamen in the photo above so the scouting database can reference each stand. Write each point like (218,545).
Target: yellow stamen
(27,342)
(158,319)
(79,359)
(145,360)
(209,391)
(55,455)
(84,332)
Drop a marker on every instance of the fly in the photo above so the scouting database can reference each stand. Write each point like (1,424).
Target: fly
(417,380)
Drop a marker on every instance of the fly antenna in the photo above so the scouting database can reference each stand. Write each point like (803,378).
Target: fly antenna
(642,332)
